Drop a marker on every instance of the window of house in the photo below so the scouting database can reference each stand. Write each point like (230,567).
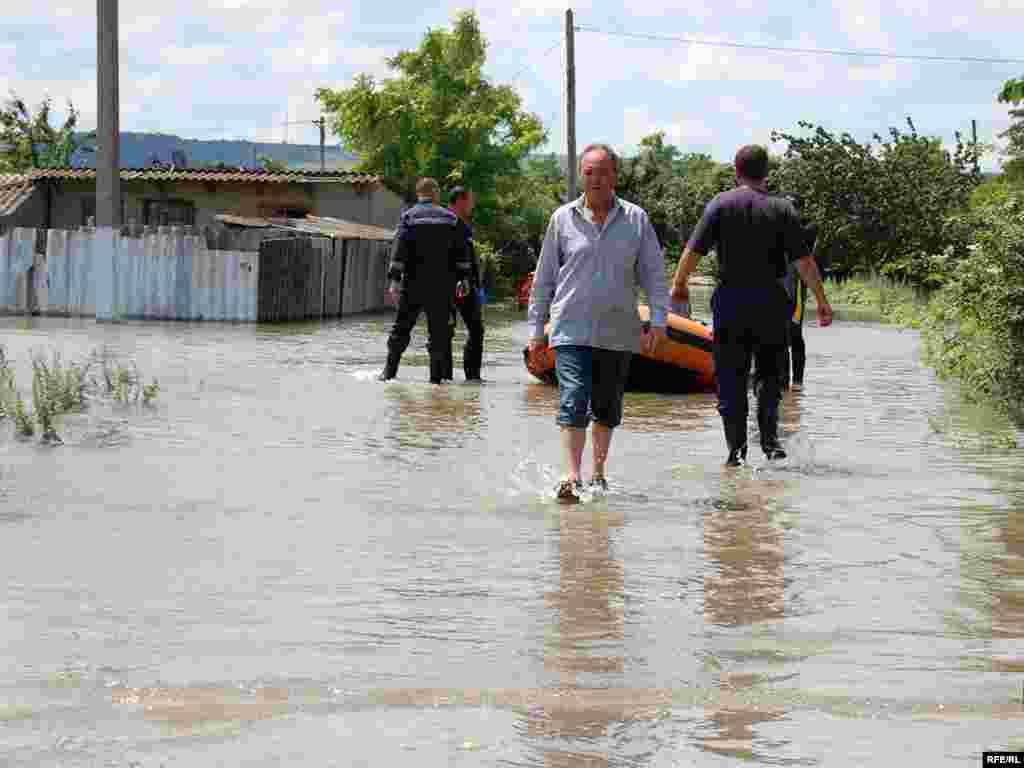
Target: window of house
(160,213)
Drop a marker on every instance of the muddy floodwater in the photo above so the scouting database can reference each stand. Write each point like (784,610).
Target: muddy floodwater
(286,563)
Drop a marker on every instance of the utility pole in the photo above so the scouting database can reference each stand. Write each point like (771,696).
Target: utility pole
(108,156)
(974,142)
(322,124)
(108,163)
(570,102)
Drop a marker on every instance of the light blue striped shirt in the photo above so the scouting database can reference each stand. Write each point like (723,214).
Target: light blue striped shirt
(587,278)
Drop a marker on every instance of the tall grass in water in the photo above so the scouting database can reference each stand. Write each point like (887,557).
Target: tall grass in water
(888,301)
(59,388)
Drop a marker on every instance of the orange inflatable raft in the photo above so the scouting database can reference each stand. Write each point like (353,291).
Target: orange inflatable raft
(683,362)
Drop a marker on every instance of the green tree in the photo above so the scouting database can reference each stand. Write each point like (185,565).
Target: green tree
(890,205)
(268,163)
(36,143)
(437,116)
(1013,93)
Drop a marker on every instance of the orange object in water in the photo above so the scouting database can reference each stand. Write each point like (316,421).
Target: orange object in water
(682,362)
(523,294)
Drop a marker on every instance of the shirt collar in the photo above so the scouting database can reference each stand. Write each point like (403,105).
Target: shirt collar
(580,205)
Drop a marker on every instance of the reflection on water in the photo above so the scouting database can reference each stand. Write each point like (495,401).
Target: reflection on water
(286,562)
(744,584)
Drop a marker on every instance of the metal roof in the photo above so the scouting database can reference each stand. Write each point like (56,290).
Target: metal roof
(13,195)
(197,174)
(338,229)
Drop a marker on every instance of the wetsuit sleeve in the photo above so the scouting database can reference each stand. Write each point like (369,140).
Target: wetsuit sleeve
(400,251)
(652,274)
(705,235)
(545,277)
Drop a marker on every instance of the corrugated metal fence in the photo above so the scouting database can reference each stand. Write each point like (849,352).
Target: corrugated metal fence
(170,274)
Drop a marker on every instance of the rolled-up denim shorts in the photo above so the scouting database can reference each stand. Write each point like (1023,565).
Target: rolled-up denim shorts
(591,383)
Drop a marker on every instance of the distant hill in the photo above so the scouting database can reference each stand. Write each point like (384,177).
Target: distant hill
(138,149)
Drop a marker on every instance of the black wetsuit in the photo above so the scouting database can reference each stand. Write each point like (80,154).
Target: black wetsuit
(755,234)
(472,315)
(429,256)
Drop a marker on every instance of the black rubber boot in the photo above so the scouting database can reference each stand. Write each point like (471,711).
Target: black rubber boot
(768,423)
(390,368)
(737,457)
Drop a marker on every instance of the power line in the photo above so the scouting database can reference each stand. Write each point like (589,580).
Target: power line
(529,66)
(817,51)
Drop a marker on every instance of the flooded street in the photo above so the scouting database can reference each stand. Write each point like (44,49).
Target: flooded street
(287,563)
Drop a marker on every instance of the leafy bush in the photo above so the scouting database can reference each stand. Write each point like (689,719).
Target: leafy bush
(975,327)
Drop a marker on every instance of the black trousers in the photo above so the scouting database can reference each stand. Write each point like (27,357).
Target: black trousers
(436,302)
(473,351)
(750,325)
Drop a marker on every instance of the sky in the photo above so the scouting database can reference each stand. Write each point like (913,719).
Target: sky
(239,69)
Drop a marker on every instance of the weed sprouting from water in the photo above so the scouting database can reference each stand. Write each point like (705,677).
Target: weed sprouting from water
(59,388)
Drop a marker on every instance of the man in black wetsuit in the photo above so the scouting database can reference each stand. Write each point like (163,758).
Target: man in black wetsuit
(755,234)
(467,298)
(429,257)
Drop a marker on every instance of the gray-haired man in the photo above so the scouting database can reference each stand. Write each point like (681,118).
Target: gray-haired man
(597,250)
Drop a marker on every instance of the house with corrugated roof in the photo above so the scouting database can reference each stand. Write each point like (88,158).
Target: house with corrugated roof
(65,198)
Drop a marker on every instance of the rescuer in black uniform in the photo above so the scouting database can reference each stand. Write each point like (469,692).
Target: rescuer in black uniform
(467,298)
(755,234)
(429,257)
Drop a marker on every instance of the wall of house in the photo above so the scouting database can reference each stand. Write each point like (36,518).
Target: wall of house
(73,201)
(376,205)
(30,213)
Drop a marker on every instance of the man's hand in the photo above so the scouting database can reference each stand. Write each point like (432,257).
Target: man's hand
(824,313)
(535,349)
(650,339)
(394,292)
(461,290)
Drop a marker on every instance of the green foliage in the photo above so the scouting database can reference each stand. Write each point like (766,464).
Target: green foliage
(1013,93)
(36,143)
(975,329)
(268,163)
(891,206)
(672,186)
(437,116)
(525,202)
(894,302)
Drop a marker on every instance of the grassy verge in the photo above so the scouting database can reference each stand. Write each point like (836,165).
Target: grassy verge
(59,388)
(875,299)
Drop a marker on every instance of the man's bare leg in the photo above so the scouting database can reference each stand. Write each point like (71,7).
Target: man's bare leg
(574,440)
(602,442)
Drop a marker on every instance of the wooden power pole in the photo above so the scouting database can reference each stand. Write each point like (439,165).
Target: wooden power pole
(322,125)
(108,155)
(570,102)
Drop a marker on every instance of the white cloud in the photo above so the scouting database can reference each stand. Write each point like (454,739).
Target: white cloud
(204,56)
(682,130)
